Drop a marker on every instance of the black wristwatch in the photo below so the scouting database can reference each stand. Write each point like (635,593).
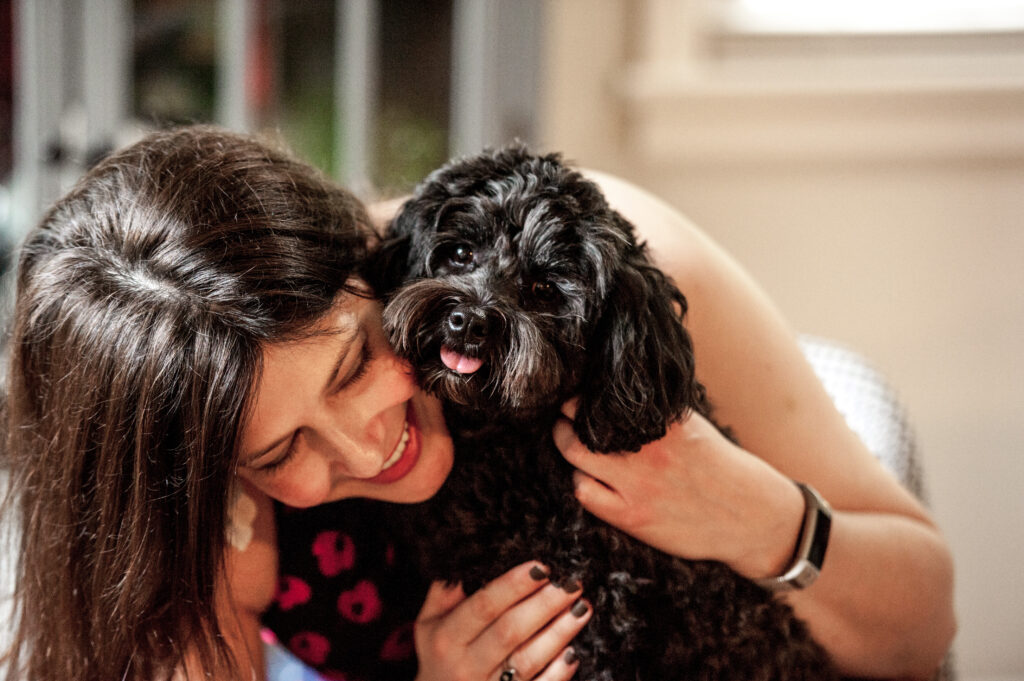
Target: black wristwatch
(810,547)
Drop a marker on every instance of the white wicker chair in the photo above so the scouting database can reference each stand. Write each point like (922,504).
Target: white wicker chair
(873,410)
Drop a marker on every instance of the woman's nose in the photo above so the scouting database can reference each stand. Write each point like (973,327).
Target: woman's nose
(358,448)
(361,463)
(359,432)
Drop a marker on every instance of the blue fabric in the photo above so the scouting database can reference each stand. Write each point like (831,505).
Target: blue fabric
(283,666)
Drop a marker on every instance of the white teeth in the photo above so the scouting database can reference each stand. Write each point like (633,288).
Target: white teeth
(399,448)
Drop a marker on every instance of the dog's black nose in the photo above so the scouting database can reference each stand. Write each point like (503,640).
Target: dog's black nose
(469,323)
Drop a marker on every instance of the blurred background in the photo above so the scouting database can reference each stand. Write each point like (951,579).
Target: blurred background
(864,160)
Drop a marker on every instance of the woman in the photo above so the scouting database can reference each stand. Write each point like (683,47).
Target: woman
(158,305)
(192,344)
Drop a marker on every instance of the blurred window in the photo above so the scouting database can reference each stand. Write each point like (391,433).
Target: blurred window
(290,76)
(6,117)
(413,89)
(801,17)
(173,61)
(375,92)
(809,80)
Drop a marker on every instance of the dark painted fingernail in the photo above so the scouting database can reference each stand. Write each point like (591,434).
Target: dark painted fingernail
(580,608)
(538,573)
(570,656)
(568,587)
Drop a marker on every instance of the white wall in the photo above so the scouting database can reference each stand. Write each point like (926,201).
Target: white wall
(885,210)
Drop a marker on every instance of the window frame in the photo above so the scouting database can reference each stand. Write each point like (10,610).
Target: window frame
(710,95)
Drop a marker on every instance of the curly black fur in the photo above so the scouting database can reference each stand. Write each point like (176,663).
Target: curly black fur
(518,261)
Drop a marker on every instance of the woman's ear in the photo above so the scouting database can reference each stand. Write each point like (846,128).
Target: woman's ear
(640,375)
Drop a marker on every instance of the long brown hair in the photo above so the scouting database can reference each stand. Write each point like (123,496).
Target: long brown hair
(143,300)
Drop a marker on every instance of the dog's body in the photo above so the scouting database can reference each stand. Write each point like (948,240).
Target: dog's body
(511,286)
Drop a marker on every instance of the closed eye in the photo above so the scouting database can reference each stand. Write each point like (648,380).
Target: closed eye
(354,376)
(279,462)
(361,368)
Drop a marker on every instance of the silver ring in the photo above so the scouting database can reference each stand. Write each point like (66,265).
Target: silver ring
(508,673)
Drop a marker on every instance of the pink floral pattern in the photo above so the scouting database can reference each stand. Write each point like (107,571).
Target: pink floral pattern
(347,593)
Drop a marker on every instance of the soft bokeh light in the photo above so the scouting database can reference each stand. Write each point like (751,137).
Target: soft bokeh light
(875,16)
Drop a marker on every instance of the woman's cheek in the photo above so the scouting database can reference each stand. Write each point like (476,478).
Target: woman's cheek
(302,483)
(435,467)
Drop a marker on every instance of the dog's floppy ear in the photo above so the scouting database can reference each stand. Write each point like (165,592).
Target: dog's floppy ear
(403,251)
(392,261)
(640,376)
(387,266)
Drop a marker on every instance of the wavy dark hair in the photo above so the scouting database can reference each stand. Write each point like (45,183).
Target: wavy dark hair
(144,298)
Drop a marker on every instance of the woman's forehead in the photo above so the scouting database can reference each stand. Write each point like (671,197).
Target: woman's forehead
(348,310)
(349,317)
(341,324)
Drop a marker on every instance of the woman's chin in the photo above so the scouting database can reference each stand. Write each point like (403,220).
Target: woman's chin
(436,454)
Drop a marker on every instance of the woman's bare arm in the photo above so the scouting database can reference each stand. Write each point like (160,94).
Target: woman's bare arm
(883,603)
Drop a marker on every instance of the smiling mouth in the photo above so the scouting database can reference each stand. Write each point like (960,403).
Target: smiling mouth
(396,455)
(404,457)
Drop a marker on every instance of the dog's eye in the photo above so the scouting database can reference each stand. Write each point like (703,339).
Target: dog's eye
(461,255)
(543,291)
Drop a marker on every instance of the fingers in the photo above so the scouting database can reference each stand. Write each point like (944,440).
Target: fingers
(592,470)
(520,618)
(548,655)
(441,599)
(601,500)
(536,629)
(575,452)
(562,668)
(479,611)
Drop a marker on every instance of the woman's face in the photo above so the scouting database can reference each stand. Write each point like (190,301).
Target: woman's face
(337,415)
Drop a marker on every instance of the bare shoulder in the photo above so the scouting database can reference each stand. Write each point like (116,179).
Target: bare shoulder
(676,243)
(381,212)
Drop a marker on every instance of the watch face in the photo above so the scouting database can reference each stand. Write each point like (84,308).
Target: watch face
(816,554)
(813,542)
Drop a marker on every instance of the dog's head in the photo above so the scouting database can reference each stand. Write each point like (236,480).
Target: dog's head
(511,285)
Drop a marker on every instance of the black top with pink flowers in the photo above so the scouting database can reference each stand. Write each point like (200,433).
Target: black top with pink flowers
(346,595)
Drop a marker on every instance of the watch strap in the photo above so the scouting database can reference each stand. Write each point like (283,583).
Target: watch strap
(810,547)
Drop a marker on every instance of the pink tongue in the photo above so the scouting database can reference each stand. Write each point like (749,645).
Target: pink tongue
(459,363)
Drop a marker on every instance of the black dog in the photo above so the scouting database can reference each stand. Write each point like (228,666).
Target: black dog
(511,286)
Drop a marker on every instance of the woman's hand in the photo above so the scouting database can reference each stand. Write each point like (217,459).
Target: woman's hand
(519,621)
(692,494)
